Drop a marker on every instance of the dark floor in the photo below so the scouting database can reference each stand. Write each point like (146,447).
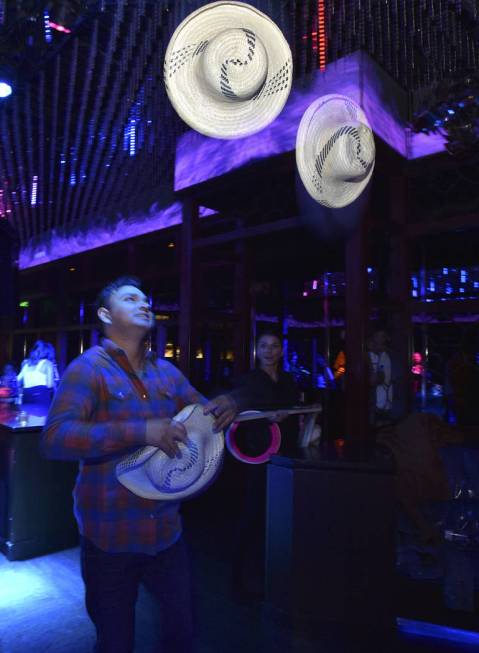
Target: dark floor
(41,610)
(41,604)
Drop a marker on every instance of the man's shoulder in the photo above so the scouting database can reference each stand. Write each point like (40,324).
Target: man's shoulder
(90,358)
(165,366)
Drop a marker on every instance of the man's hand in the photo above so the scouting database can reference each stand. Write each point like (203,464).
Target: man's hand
(164,433)
(279,416)
(224,409)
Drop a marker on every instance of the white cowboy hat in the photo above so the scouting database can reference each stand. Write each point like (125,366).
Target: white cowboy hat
(228,70)
(335,150)
(151,474)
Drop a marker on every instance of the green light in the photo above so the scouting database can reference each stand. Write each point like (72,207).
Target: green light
(24,304)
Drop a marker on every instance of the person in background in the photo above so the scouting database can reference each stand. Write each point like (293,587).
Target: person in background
(267,387)
(37,376)
(379,378)
(339,365)
(462,374)
(113,399)
(9,383)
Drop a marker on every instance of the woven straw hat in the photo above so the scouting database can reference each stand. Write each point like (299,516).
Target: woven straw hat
(228,70)
(151,474)
(335,150)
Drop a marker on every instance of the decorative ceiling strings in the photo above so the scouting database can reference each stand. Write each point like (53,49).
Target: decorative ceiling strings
(93,138)
(93,134)
(415,41)
(80,118)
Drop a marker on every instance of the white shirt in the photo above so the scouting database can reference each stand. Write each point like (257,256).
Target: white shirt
(41,373)
(384,391)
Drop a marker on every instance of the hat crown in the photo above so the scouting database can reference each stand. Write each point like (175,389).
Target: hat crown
(347,152)
(235,65)
(179,473)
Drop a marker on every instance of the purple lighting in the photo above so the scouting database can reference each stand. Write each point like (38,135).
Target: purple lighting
(199,158)
(61,246)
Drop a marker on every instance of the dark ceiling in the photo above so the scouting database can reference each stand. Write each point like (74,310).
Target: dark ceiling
(88,136)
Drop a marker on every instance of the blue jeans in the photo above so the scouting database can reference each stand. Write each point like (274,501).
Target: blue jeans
(111,589)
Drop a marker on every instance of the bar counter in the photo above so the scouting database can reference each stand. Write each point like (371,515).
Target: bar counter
(330,535)
(36,505)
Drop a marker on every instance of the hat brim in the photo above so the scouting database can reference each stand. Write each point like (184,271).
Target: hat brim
(207,112)
(131,471)
(234,449)
(324,116)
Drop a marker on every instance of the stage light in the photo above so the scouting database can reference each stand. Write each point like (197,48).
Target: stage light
(63,16)
(5,89)
(435,631)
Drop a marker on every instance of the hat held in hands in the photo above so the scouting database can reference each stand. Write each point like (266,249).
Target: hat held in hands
(151,474)
(335,150)
(228,70)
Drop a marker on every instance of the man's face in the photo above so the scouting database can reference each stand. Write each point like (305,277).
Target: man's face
(269,350)
(129,307)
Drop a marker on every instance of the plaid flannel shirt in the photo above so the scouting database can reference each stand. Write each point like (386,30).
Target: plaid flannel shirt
(98,415)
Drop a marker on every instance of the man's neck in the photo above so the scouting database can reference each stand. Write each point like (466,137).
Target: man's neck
(133,348)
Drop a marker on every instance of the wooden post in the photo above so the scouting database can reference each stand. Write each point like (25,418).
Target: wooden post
(357,316)
(187,267)
(242,309)
(61,344)
(399,288)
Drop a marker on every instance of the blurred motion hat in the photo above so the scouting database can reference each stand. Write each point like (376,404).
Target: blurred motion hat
(228,70)
(151,474)
(335,150)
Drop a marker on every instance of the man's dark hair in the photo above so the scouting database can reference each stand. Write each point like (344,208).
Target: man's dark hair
(104,296)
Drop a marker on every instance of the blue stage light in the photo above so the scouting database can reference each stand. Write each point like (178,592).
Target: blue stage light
(424,629)
(5,89)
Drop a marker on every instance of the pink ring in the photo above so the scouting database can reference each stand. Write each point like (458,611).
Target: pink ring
(273,448)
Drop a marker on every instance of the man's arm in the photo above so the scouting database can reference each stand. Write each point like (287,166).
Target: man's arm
(71,431)
(223,407)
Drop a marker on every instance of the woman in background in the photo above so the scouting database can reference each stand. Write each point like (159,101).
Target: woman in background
(267,387)
(37,376)
(8,384)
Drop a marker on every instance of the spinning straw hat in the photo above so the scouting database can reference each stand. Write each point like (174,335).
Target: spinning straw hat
(228,70)
(335,150)
(151,474)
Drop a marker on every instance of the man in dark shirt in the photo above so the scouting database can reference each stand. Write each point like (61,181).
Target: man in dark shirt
(267,387)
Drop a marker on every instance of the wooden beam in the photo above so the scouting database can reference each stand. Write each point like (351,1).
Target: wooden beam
(247,232)
(455,223)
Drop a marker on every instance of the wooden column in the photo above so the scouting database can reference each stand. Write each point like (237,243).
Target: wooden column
(8,289)
(399,288)
(161,337)
(242,309)
(61,344)
(131,258)
(187,269)
(357,316)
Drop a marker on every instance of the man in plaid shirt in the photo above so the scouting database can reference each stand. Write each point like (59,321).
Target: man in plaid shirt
(113,399)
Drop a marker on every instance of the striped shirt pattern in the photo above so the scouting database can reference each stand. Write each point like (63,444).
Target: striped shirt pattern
(98,415)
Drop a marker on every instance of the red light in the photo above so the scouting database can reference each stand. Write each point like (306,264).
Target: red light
(59,28)
(322,38)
